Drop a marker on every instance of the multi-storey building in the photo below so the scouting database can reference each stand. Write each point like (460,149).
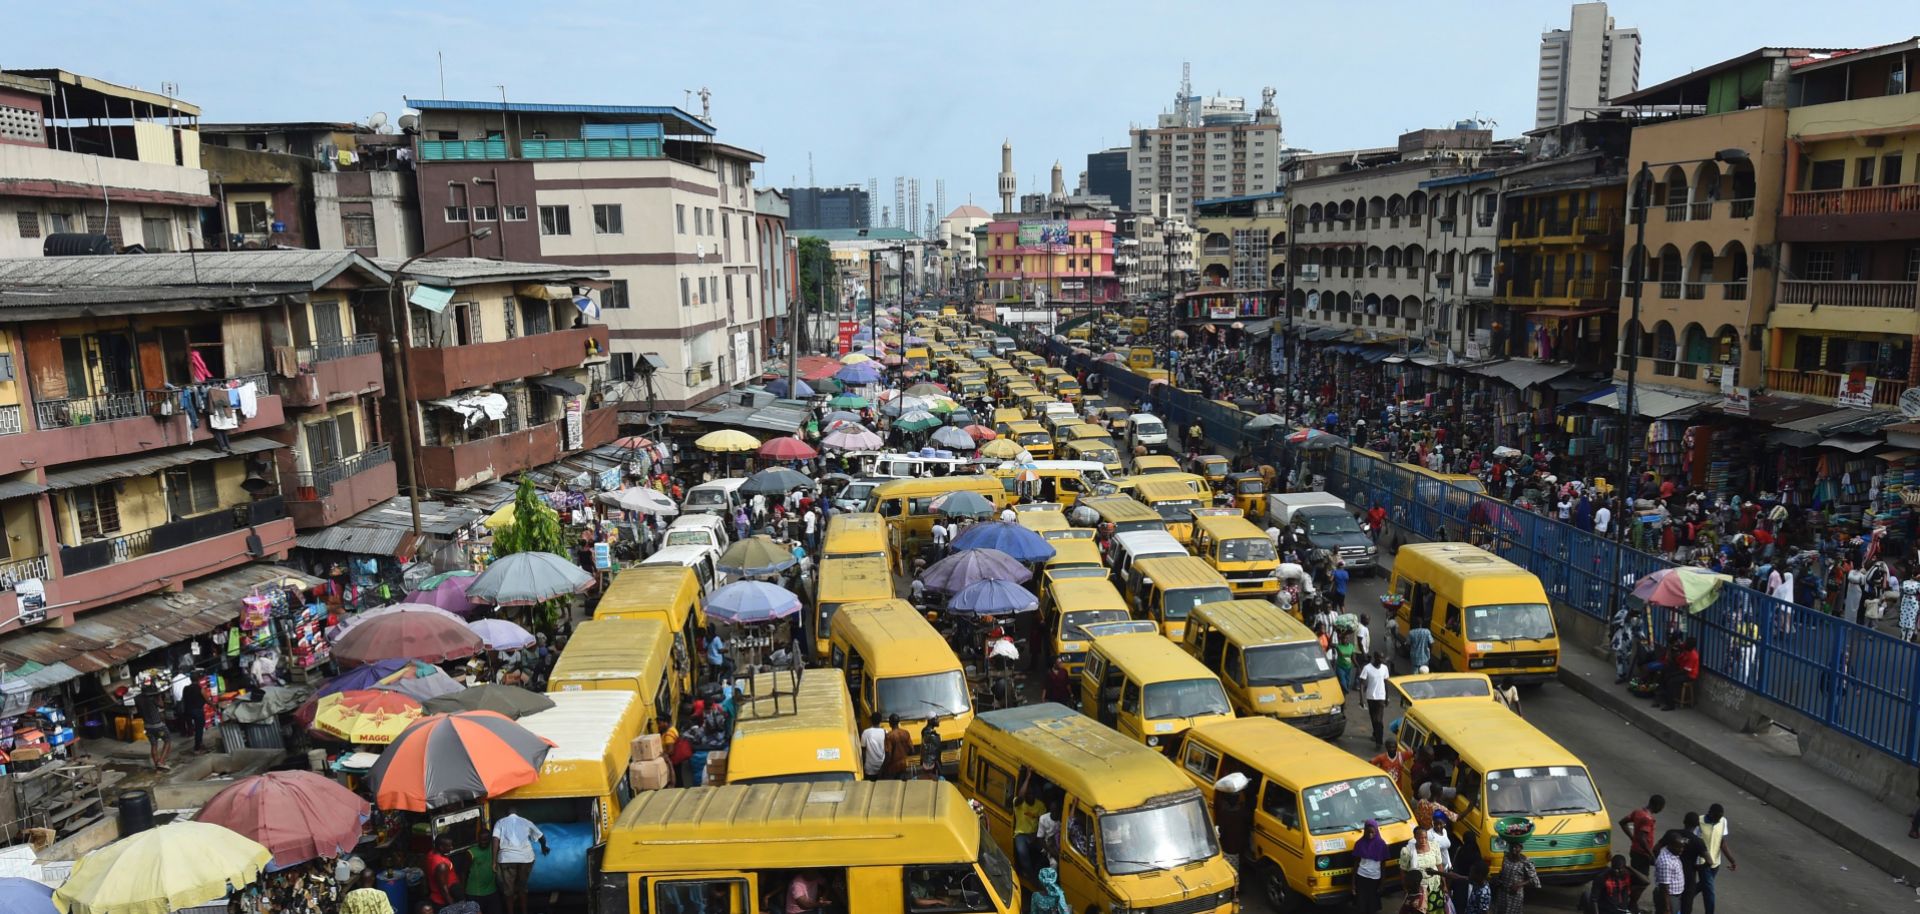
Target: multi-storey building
(642,192)
(828,207)
(1242,265)
(1107,176)
(779,263)
(1585,65)
(1205,148)
(106,168)
(1462,239)
(1052,262)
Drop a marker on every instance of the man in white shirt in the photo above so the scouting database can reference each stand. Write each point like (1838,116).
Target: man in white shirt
(513,841)
(873,748)
(1373,688)
(939,533)
(1007,514)
(1602,519)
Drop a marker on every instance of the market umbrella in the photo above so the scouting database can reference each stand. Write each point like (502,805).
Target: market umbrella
(918,420)
(953,573)
(756,556)
(775,481)
(175,866)
(641,500)
(1110,357)
(297,815)
(527,578)
(860,373)
(1021,544)
(366,717)
(361,618)
(800,391)
(25,896)
(993,598)
(456,758)
(273,701)
(749,602)
(926,389)
(1685,586)
(852,358)
(430,635)
(633,442)
(1313,439)
(828,385)
(420,684)
(1001,449)
(964,504)
(727,441)
(501,635)
(512,701)
(849,401)
(853,438)
(788,447)
(842,415)
(445,591)
(980,433)
(949,437)
(1265,421)
(821,372)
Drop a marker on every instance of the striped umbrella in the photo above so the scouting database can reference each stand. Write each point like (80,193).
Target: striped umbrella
(456,758)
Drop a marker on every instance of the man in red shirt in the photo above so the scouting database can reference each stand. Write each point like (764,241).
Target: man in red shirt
(443,882)
(1683,668)
(1377,520)
(1639,826)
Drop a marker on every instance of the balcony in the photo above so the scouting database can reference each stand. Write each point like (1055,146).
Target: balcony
(1852,214)
(494,150)
(10,420)
(615,148)
(435,373)
(459,467)
(1825,385)
(14,571)
(334,370)
(1559,292)
(343,488)
(164,557)
(125,422)
(1848,294)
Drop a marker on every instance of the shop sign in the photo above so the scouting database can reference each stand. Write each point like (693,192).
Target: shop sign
(847,330)
(32,595)
(1224,312)
(576,423)
(1739,402)
(1857,391)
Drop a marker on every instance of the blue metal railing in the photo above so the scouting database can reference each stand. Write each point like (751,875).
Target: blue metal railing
(1848,677)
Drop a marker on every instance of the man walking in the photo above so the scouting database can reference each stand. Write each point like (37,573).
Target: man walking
(153,716)
(1713,835)
(1373,688)
(513,840)
(1639,825)
(1340,577)
(1669,874)
(873,749)
(1420,647)
(899,744)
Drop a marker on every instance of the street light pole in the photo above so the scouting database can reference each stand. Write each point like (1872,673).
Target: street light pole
(401,356)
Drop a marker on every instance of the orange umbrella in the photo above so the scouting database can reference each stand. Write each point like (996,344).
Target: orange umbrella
(456,758)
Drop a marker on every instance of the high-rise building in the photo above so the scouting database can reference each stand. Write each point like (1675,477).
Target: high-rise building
(1107,176)
(1585,65)
(827,207)
(1206,147)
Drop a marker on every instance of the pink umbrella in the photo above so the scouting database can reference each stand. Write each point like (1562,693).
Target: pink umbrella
(348,624)
(297,815)
(449,594)
(418,632)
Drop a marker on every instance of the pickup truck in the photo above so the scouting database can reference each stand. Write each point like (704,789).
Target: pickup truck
(1326,523)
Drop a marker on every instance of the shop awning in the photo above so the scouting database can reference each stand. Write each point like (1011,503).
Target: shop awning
(564,386)
(102,638)
(1426,361)
(1895,456)
(1821,422)
(1782,437)
(1852,444)
(1568,313)
(368,540)
(1522,373)
(108,470)
(548,291)
(1652,404)
(17,488)
(1394,359)
(1774,410)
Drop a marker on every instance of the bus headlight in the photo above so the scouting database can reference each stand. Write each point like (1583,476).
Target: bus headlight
(1153,741)
(1338,709)
(1322,862)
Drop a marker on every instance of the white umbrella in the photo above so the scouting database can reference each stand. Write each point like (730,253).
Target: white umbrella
(641,501)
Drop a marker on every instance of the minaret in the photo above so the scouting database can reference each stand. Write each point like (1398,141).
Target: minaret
(1059,192)
(1008,181)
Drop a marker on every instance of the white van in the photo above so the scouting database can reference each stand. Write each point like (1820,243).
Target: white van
(707,531)
(721,496)
(1128,548)
(697,558)
(915,466)
(1145,430)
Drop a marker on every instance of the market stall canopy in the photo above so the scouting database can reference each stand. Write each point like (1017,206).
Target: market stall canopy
(456,758)
(420,682)
(560,384)
(297,815)
(25,896)
(775,481)
(993,598)
(175,866)
(445,591)
(727,441)
(527,578)
(788,447)
(1684,586)
(756,556)
(778,387)
(852,438)
(751,603)
(364,717)
(1001,449)
(950,437)
(512,701)
(1018,542)
(963,504)
(641,501)
(501,635)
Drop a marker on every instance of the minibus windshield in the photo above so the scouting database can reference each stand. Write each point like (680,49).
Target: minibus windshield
(1251,549)
(920,697)
(1185,698)
(1180,603)
(1071,622)
(1160,838)
(1285,664)
(1179,510)
(1346,805)
(1509,622)
(1554,790)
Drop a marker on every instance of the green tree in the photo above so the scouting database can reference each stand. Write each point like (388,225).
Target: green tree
(536,527)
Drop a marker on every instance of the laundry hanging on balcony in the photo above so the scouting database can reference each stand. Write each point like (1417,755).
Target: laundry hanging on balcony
(476,408)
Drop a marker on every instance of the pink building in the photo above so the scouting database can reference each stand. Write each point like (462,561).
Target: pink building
(1070,260)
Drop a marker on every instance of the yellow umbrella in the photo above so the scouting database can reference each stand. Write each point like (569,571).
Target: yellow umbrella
(854,358)
(365,717)
(178,865)
(500,519)
(728,441)
(1001,449)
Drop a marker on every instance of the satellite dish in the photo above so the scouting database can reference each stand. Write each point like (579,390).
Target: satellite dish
(408,122)
(377,122)
(1910,403)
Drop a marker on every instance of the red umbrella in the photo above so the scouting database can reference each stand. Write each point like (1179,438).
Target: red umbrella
(633,442)
(456,758)
(297,815)
(433,636)
(818,368)
(981,433)
(788,447)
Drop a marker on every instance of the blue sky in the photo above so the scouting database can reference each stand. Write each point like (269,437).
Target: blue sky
(920,89)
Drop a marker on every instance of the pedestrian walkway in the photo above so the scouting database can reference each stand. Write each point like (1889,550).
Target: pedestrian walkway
(1849,817)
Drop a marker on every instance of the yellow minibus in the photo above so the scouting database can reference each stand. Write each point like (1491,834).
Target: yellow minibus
(795,732)
(629,655)
(1486,614)
(1167,589)
(896,663)
(1270,663)
(1149,689)
(1240,551)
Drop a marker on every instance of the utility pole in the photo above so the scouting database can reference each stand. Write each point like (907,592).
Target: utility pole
(794,310)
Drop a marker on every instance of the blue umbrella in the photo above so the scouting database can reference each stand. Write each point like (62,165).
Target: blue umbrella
(953,573)
(750,602)
(993,598)
(964,504)
(860,373)
(841,415)
(25,896)
(1019,543)
(800,389)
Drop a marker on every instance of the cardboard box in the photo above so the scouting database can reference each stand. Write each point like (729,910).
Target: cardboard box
(716,768)
(647,746)
(649,774)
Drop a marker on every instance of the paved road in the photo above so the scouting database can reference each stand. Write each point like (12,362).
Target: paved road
(1785,866)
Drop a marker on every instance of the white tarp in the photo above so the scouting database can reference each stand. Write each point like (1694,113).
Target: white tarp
(476,408)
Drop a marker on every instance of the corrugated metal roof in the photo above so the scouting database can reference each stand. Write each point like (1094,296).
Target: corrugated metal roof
(442,519)
(309,269)
(15,488)
(362,540)
(103,637)
(695,124)
(457,271)
(126,468)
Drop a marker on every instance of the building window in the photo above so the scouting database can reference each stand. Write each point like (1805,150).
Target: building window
(486,214)
(539,407)
(250,217)
(615,296)
(29,223)
(510,312)
(454,213)
(156,235)
(680,218)
(1820,265)
(686,297)
(61,223)
(97,509)
(1913,264)
(606,219)
(536,316)
(515,212)
(556,220)
(190,490)
(703,292)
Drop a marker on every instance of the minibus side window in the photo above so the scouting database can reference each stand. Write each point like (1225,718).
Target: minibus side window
(700,896)
(1281,804)
(1130,698)
(1200,760)
(1211,653)
(1232,666)
(1080,832)
(996,785)
(1466,784)
(1453,618)
(946,888)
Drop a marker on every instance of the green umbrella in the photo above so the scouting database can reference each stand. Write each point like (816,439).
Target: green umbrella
(848,401)
(827,386)
(917,421)
(940,407)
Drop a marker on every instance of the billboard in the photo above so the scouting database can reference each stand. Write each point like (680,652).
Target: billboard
(845,335)
(1038,234)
